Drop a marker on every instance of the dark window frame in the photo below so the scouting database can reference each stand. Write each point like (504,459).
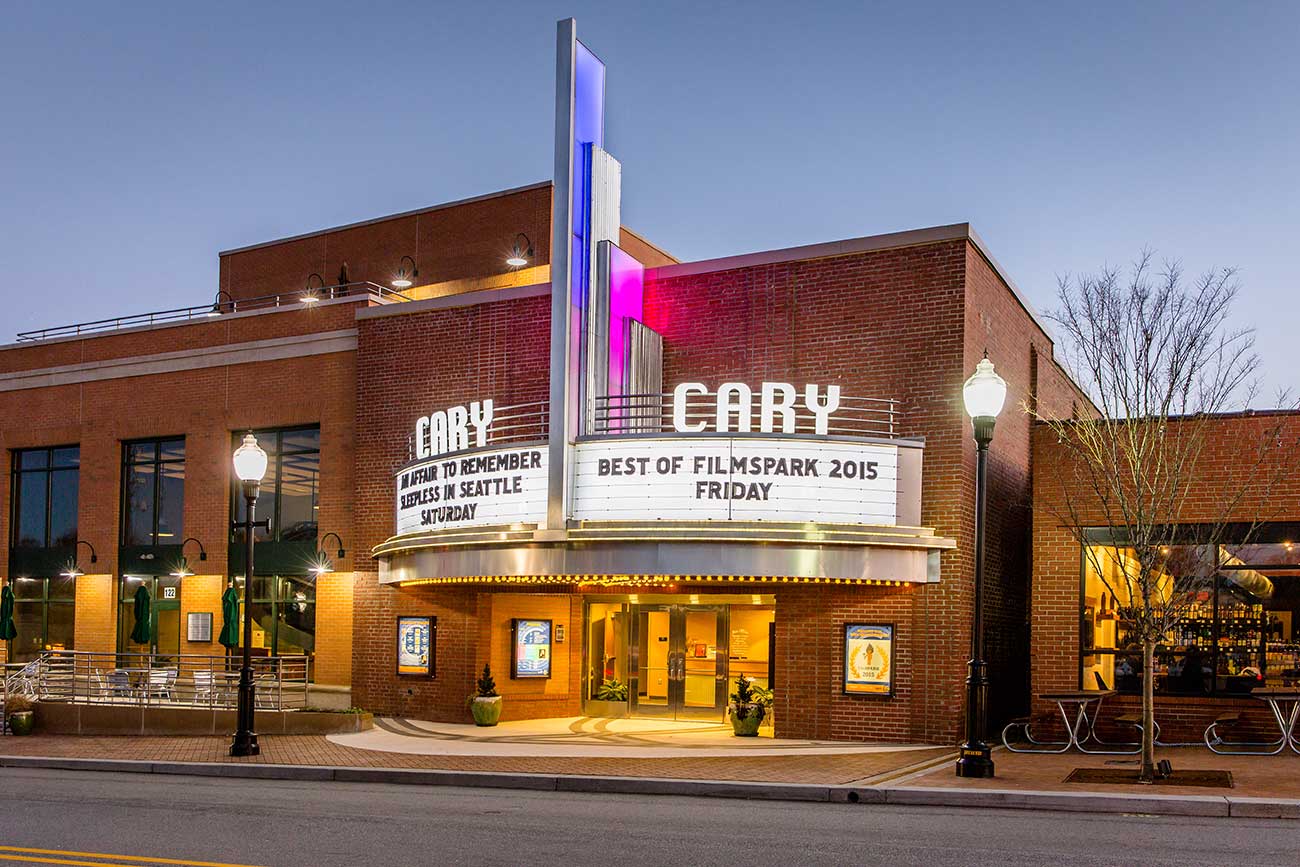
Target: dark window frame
(44,603)
(16,475)
(157,463)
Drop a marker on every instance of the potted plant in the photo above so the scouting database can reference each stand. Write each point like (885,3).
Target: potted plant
(18,709)
(749,707)
(609,699)
(485,701)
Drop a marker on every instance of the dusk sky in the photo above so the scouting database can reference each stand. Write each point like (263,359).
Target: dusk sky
(139,139)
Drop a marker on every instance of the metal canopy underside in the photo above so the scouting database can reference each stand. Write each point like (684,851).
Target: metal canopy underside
(755,551)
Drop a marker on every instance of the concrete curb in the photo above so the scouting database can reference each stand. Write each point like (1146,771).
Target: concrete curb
(1221,806)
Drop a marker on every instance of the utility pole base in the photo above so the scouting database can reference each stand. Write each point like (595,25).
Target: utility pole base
(245,744)
(975,762)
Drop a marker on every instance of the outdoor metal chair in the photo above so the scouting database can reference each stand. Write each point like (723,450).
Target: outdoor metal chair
(119,684)
(204,690)
(161,683)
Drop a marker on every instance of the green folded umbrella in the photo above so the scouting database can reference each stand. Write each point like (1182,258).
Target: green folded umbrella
(140,634)
(8,632)
(229,618)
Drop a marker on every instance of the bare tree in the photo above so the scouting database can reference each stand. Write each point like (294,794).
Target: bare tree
(1159,359)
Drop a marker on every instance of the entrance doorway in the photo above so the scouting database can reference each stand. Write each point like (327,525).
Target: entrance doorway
(164,627)
(679,657)
(674,656)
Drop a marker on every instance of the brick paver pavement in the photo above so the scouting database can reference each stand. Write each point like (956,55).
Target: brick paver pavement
(1253,776)
(317,751)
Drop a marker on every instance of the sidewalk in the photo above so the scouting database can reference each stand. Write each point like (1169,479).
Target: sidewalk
(684,761)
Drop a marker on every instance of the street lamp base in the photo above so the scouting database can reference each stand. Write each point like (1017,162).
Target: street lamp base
(245,744)
(975,762)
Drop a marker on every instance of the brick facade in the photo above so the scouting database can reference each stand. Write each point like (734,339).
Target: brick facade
(1221,470)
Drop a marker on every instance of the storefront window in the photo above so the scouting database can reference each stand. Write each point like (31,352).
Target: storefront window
(290,492)
(43,615)
(1239,611)
(153,492)
(44,491)
(284,615)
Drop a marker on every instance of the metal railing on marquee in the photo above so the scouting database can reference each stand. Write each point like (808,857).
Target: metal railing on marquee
(653,413)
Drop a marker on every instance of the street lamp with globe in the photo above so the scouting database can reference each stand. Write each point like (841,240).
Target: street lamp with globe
(983,394)
(250,468)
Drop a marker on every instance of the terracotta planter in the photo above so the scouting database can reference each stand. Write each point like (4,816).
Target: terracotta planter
(486,710)
(21,722)
(745,720)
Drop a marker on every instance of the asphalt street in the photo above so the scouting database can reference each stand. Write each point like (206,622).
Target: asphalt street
(79,818)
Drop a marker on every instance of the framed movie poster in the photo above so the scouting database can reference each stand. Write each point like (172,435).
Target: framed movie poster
(415,645)
(869,659)
(531,640)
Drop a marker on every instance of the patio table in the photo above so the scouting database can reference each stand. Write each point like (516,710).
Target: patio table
(1285,705)
(1080,730)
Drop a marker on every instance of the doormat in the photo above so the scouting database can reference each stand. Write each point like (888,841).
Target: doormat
(1124,777)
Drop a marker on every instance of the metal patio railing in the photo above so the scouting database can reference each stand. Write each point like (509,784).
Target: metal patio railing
(653,413)
(218,307)
(158,680)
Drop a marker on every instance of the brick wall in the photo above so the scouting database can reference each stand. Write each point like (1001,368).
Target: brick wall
(205,406)
(409,365)
(447,242)
(1223,468)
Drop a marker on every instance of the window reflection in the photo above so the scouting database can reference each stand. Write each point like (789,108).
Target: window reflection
(153,492)
(43,486)
(1237,633)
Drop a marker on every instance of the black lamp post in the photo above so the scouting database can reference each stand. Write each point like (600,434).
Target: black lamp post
(250,467)
(984,394)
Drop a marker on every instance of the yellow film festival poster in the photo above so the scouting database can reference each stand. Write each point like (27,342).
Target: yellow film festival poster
(868,659)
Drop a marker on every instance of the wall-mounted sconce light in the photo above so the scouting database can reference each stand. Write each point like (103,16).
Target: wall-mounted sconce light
(309,295)
(216,303)
(405,276)
(521,253)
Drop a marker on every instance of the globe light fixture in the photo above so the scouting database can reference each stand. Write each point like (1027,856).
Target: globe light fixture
(985,391)
(250,460)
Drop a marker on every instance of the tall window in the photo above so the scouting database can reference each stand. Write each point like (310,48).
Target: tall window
(1240,632)
(44,494)
(153,492)
(290,492)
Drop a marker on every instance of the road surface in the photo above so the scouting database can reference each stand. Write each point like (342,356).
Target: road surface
(80,818)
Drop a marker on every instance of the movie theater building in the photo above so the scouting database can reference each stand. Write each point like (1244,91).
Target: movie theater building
(619,479)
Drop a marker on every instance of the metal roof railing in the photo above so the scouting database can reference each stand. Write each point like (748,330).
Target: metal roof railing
(220,306)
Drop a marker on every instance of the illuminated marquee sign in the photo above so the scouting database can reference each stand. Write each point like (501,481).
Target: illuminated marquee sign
(749,465)
(482,488)
(736,479)
(776,407)
(453,429)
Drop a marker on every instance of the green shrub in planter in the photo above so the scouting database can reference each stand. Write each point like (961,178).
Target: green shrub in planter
(485,702)
(749,706)
(18,708)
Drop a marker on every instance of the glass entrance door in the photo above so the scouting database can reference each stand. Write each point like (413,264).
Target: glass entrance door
(679,661)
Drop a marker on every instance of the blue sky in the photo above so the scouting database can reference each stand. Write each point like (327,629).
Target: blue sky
(141,138)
